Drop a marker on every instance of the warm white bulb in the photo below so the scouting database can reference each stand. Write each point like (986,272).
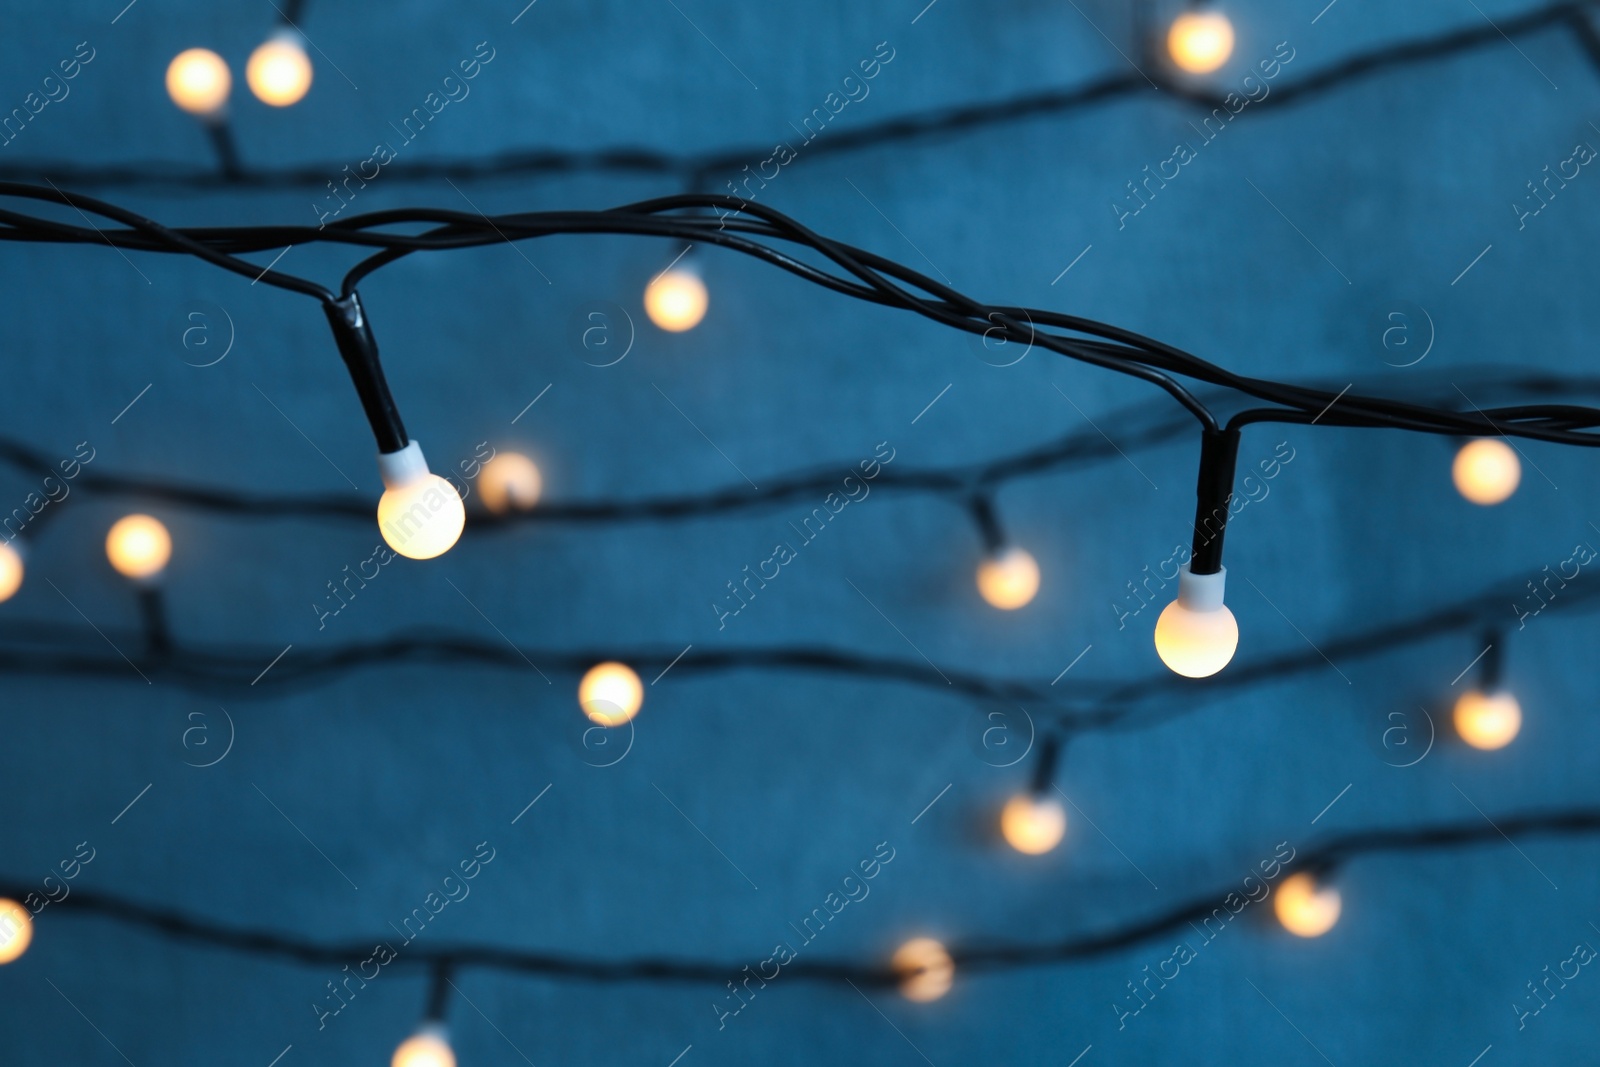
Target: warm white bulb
(1200,41)
(199,82)
(16,930)
(11,571)
(1009,579)
(279,71)
(610,694)
(1033,824)
(1488,720)
(428,1047)
(1196,634)
(138,546)
(676,300)
(509,481)
(1486,471)
(420,514)
(1304,908)
(925,969)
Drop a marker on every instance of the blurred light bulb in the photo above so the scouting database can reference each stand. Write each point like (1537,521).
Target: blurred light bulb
(508,481)
(16,930)
(1033,824)
(420,514)
(1200,41)
(279,71)
(610,694)
(10,572)
(198,81)
(925,969)
(1488,720)
(1196,634)
(428,1047)
(676,300)
(1009,579)
(1304,909)
(138,546)
(1486,471)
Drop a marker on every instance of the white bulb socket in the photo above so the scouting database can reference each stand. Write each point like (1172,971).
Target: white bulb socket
(400,469)
(1201,592)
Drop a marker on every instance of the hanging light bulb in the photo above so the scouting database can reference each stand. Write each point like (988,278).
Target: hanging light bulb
(1033,824)
(1486,471)
(1008,578)
(610,694)
(16,930)
(1488,721)
(199,82)
(509,481)
(676,299)
(1200,41)
(11,571)
(428,1047)
(279,71)
(925,969)
(1196,634)
(420,514)
(1304,908)
(138,546)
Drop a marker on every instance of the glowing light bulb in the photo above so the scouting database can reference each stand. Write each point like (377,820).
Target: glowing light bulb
(10,572)
(1304,908)
(610,694)
(1488,720)
(677,299)
(199,82)
(925,968)
(508,481)
(428,1047)
(1196,634)
(1009,579)
(1200,41)
(1033,824)
(1486,471)
(279,71)
(16,930)
(138,546)
(420,514)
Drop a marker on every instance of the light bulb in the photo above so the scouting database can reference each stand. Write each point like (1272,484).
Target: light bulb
(925,969)
(420,514)
(16,930)
(279,71)
(1486,471)
(10,572)
(1033,824)
(509,481)
(1009,579)
(610,694)
(1200,41)
(1196,634)
(428,1047)
(676,300)
(138,546)
(198,81)
(1304,908)
(1488,720)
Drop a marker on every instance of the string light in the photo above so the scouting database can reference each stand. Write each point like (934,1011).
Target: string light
(16,930)
(279,70)
(1488,721)
(610,694)
(11,571)
(1033,824)
(428,1047)
(1304,908)
(199,82)
(509,481)
(138,546)
(1009,578)
(1486,471)
(676,299)
(925,968)
(1196,634)
(1200,41)
(420,514)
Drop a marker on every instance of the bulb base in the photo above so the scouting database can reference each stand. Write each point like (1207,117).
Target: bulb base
(1201,592)
(399,469)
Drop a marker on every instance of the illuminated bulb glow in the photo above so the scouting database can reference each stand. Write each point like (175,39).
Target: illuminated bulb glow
(1304,909)
(428,1047)
(138,546)
(610,694)
(199,82)
(1033,824)
(508,481)
(1009,579)
(279,71)
(420,514)
(925,968)
(1200,41)
(676,300)
(10,572)
(1486,471)
(1488,720)
(1196,634)
(16,930)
